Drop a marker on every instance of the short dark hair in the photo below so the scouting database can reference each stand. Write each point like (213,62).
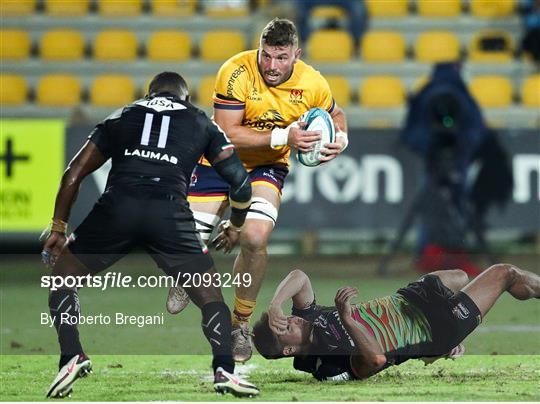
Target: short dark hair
(169,82)
(265,340)
(280,32)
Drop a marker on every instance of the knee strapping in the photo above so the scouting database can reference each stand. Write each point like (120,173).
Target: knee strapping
(205,223)
(262,209)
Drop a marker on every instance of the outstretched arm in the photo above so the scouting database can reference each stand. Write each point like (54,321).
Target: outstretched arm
(85,162)
(368,357)
(231,121)
(295,286)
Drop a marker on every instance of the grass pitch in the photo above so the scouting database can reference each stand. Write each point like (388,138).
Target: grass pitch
(172,361)
(188,378)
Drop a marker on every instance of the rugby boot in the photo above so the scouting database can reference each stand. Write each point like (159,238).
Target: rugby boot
(242,345)
(78,366)
(177,300)
(225,382)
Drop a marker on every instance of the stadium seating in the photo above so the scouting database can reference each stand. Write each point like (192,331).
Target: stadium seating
(115,45)
(255,41)
(178,8)
(382,46)
(328,11)
(63,8)
(112,90)
(387,8)
(439,8)
(329,45)
(341,90)
(205,90)
(419,84)
(492,8)
(382,92)
(398,28)
(120,8)
(13,89)
(17,7)
(219,45)
(219,9)
(491,91)
(62,44)
(530,91)
(437,46)
(14,44)
(491,46)
(169,45)
(58,90)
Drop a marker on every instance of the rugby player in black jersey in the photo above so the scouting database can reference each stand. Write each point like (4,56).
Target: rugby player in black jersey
(426,319)
(154,144)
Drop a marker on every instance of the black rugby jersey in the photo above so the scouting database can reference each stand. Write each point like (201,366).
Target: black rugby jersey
(156,142)
(329,354)
(400,328)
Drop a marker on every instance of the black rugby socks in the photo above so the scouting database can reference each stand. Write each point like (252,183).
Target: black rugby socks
(216,325)
(65,310)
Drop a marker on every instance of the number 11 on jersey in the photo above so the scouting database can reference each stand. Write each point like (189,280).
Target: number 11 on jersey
(163,131)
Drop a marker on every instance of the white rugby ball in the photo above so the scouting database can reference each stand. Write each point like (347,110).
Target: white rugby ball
(317,119)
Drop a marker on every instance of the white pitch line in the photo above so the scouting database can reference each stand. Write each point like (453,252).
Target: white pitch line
(509,328)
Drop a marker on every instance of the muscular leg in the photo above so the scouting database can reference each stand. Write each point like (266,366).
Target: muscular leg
(207,215)
(65,302)
(453,279)
(253,256)
(490,284)
(216,323)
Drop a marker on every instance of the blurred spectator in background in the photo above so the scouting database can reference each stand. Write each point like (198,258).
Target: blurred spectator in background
(445,127)
(355,11)
(531,37)
(226,4)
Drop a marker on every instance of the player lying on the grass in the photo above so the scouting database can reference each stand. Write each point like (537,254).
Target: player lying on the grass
(154,145)
(428,318)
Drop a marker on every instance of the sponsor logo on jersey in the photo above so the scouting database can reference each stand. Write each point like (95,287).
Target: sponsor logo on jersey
(161,104)
(151,155)
(271,174)
(271,119)
(321,322)
(254,96)
(296,96)
(230,83)
(193,180)
(460,311)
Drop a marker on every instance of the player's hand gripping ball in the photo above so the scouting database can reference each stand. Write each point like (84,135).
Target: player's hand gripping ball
(317,119)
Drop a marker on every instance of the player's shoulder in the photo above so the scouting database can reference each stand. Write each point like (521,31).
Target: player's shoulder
(245,57)
(116,114)
(308,74)
(239,64)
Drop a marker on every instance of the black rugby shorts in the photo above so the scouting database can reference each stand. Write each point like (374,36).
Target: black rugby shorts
(161,225)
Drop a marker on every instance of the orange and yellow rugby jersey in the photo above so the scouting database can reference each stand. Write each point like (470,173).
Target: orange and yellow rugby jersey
(239,85)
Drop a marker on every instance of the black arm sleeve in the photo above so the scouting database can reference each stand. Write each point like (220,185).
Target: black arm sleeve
(232,170)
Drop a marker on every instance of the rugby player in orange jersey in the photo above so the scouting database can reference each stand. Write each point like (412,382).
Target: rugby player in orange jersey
(259,96)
